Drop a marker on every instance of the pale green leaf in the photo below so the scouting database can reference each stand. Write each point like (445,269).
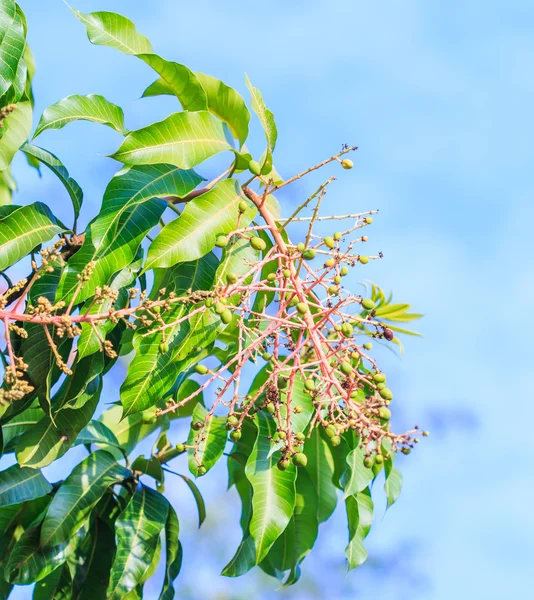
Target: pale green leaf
(24,229)
(12,43)
(193,234)
(17,126)
(183,139)
(268,124)
(393,483)
(92,108)
(360,517)
(113,30)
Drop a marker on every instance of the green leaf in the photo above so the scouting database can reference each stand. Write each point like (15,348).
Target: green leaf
(74,500)
(321,468)
(97,433)
(183,139)
(115,31)
(393,483)
(19,424)
(201,507)
(179,81)
(17,130)
(227,104)
(193,234)
(149,466)
(12,43)
(159,88)
(128,430)
(360,517)
(57,167)
(92,108)
(56,586)
(243,560)
(137,531)
(24,229)
(7,186)
(173,554)
(97,549)
(133,226)
(152,374)
(358,475)
(211,441)
(72,408)
(273,500)
(19,484)
(266,118)
(30,562)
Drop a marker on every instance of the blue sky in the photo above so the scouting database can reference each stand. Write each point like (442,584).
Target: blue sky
(439,97)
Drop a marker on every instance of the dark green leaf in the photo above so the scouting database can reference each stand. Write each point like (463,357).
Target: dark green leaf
(74,500)
(173,554)
(137,531)
(19,484)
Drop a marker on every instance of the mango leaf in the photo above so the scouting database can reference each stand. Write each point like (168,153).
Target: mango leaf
(97,433)
(193,234)
(74,500)
(358,476)
(128,430)
(159,88)
(183,139)
(173,554)
(12,43)
(92,108)
(243,560)
(56,586)
(201,506)
(149,466)
(137,531)
(152,374)
(17,127)
(97,549)
(393,483)
(211,441)
(24,229)
(134,224)
(134,186)
(179,81)
(227,104)
(273,500)
(19,424)
(71,410)
(20,484)
(29,561)
(321,468)
(115,31)
(297,540)
(57,167)
(266,118)
(360,517)
(7,186)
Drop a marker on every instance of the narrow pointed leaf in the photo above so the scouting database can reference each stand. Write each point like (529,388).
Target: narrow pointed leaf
(180,81)
(211,441)
(92,108)
(273,500)
(173,554)
(137,531)
(268,124)
(24,229)
(183,139)
(358,475)
(57,167)
(193,234)
(17,130)
(113,30)
(360,517)
(201,506)
(393,483)
(321,468)
(12,43)
(227,104)
(74,500)
(56,586)
(20,484)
